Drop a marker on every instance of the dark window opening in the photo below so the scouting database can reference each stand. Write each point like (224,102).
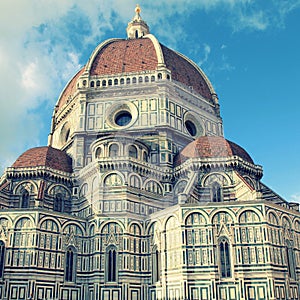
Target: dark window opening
(25,199)
(156,263)
(132,151)
(114,150)
(216,193)
(70,265)
(58,203)
(2,258)
(191,128)
(123,118)
(225,259)
(290,257)
(112,265)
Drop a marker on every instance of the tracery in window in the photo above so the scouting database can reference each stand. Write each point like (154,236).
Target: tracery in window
(290,259)
(58,203)
(224,252)
(25,199)
(216,192)
(70,265)
(111,265)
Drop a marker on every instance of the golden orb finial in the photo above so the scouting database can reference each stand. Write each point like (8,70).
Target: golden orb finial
(138,9)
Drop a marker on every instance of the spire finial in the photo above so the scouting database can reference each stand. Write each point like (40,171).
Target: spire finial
(138,9)
(137,28)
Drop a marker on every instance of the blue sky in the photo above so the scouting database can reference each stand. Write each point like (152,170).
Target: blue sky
(249,49)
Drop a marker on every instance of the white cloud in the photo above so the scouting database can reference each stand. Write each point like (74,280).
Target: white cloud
(295,198)
(206,52)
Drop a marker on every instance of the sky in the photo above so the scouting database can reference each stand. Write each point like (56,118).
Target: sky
(249,49)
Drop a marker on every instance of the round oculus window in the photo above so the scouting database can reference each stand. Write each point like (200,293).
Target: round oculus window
(123,118)
(191,128)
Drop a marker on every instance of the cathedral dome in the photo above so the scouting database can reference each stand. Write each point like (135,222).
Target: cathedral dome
(115,60)
(212,147)
(45,157)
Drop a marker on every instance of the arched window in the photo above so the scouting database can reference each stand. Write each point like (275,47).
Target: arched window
(127,80)
(225,265)
(92,83)
(111,264)
(290,259)
(58,202)
(98,152)
(156,263)
(216,192)
(132,151)
(114,150)
(2,258)
(25,199)
(145,156)
(70,265)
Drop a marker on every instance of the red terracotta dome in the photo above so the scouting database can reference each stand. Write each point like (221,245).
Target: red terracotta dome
(46,157)
(124,56)
(212,147)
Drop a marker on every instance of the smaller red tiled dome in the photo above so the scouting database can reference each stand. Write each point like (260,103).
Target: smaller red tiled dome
(46,157)
(212,147)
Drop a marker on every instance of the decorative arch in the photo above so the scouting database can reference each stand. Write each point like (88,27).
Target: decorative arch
(23,232)
(180,186)
(135,229)
(221,178)
(49,224)
(249,216)
(273,217)
(28,185)
(112,227)
(286,221)
(23,223)
(60,195)
(73,229)
(153,186)
(114,150)
(195,218)
(135,180)
(83,190)
(132,151)
(223,215)
(113,179)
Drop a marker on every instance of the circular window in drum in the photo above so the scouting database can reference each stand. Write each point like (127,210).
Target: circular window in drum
(123,118)
(191,128)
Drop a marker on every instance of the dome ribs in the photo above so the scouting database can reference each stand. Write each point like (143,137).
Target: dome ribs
(184,72)
(125,56)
